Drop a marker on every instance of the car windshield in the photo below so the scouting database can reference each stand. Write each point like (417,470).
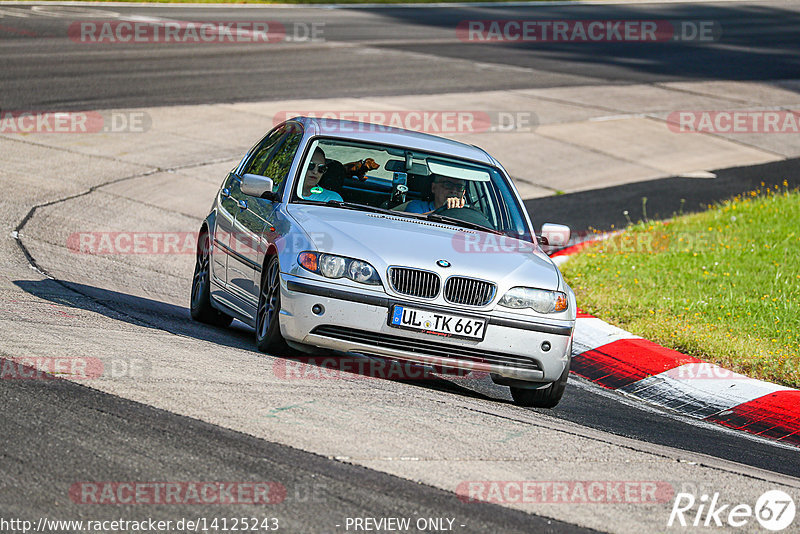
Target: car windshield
(410,183)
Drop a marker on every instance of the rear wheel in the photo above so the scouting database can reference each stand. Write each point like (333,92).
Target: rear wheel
(547,397)
(200,307)
(268,328)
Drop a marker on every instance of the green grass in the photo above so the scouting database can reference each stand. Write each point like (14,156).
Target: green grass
(722,285)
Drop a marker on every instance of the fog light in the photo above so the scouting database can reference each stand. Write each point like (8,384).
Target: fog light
(545,346)
(317,309)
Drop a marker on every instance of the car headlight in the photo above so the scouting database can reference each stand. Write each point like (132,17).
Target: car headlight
(538,300)
(332,266)
(360,271)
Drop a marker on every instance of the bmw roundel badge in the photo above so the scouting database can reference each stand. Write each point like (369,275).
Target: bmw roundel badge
(443,263)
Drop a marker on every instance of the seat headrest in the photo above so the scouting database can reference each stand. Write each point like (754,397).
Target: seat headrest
(421,185)
(333,179)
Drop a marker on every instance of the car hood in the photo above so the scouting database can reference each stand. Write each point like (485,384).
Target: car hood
(386,240)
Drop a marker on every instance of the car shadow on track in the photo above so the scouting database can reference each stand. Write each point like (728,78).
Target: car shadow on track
(176,319)
(136,310)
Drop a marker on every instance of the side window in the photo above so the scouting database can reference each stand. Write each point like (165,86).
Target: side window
(262,153)
(512,218)
(278,166)
(274,157)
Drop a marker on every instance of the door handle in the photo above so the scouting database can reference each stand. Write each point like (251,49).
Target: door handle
(242,204)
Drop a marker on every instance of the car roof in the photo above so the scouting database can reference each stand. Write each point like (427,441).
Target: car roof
(376,133)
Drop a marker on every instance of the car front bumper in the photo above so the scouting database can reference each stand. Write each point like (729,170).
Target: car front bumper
(357,322)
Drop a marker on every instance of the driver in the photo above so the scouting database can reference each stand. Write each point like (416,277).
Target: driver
(447,193)
(311,188)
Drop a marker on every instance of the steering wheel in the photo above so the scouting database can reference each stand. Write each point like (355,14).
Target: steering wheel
(465,214)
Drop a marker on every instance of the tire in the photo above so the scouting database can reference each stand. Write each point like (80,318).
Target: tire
(200,306)
(268,328)
(547,397)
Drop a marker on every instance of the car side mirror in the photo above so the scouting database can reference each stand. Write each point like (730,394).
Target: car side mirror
(554,235)
(258,186)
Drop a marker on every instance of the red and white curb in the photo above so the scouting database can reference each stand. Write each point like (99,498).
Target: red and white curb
(619,360)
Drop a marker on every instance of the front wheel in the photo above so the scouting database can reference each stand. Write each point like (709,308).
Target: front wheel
(268,328)
(200,305)
(547,397)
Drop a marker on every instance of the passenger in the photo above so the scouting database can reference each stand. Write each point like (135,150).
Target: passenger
(311,189)
(447,192)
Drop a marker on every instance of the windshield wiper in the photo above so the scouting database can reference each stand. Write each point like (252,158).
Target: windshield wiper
(373,209)
(344,205)
(459,222)
(359,207)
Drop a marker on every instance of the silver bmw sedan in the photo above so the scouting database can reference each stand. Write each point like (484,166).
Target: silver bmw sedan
(358,238)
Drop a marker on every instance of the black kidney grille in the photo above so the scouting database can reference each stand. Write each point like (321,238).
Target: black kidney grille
(414,282)
(468,291)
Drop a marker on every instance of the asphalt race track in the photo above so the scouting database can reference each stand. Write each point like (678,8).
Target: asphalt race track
(418,51)
(188,402)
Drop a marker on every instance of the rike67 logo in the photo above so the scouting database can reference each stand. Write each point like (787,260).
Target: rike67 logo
(774,511)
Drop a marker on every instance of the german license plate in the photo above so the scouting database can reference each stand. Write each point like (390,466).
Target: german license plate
(441,324)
